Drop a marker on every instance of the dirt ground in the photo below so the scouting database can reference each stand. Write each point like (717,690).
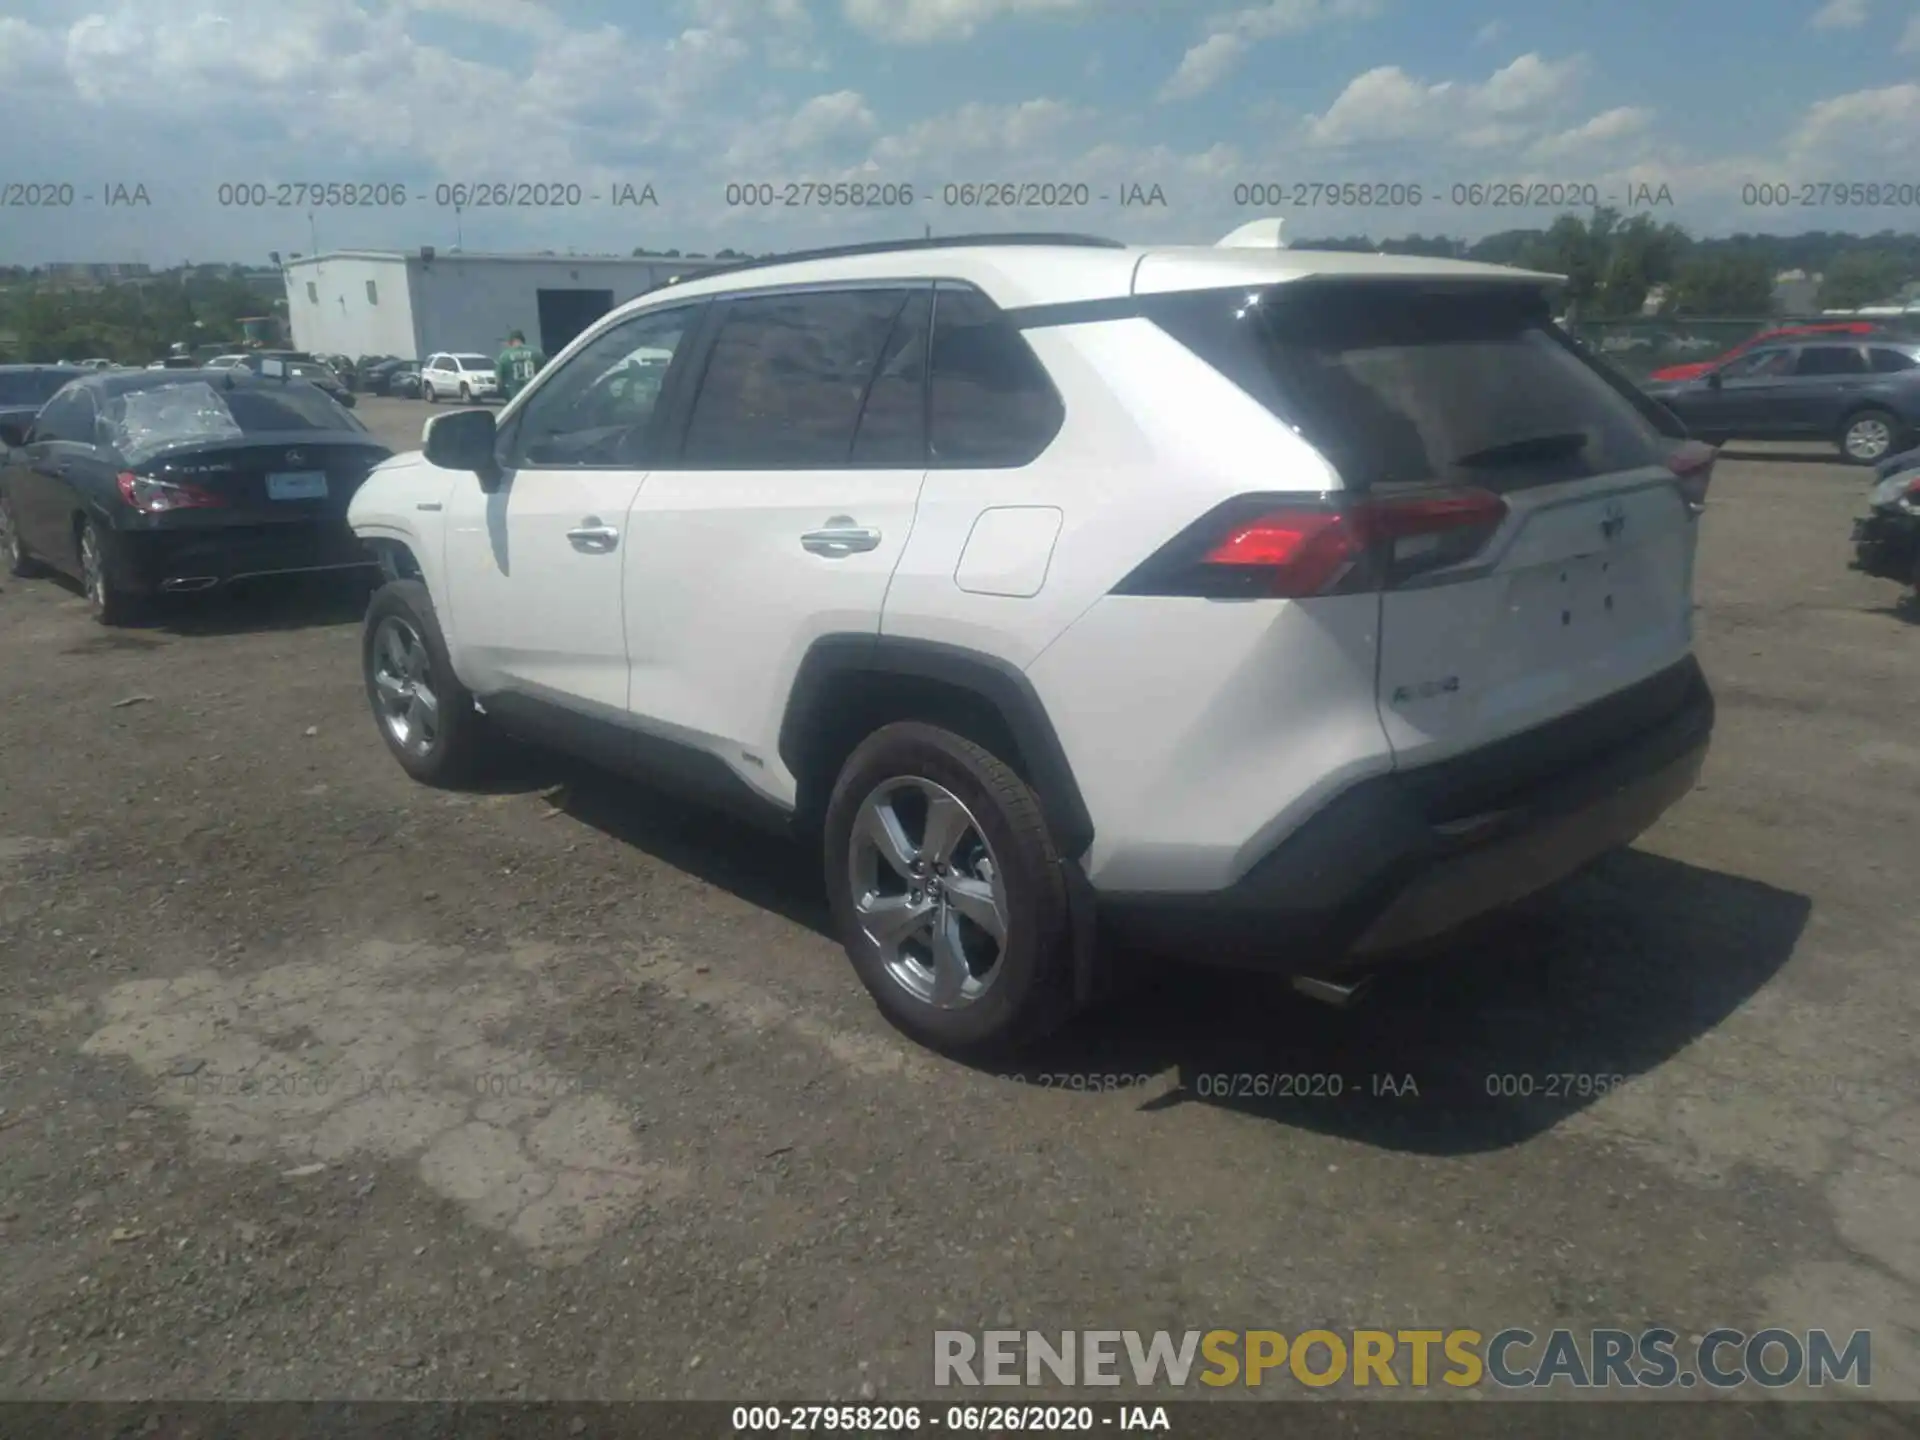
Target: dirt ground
(564,1091)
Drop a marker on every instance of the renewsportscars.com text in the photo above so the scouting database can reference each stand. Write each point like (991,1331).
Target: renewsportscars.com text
(1514,1358)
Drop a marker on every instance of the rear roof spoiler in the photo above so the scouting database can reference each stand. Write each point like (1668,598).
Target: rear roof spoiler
(1262,234)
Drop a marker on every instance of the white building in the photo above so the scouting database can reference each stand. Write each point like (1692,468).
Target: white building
(411,304)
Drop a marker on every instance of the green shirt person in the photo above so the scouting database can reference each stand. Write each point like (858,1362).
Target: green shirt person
(517,365)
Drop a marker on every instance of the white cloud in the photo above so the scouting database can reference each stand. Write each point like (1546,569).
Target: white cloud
(1525,85)
(1864,126)
(520,15)
(827,119)
(920,22)
(29,56)
(1601,138)
(1230,34)
(1388,104)
(1840,15)
(1204,66)
(1490,32)
(997,130)
(353,88)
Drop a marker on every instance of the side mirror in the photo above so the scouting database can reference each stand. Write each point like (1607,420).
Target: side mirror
(463,440)
(12,435)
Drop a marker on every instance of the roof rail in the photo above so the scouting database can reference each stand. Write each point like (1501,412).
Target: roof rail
(886,247)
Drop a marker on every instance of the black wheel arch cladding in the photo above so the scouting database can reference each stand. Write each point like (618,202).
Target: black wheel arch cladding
(834,660)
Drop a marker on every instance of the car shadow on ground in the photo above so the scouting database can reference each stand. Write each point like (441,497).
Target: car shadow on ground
(1906,608)
(1482,1042)
(1489,1039)
(294,602)
(1811,453)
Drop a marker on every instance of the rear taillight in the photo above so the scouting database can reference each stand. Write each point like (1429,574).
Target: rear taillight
(156,497)
(1271,548)
(1692,466)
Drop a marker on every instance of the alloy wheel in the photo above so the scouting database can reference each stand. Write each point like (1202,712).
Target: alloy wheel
(402,681)
(10,536)
(928,892)
(1868,438)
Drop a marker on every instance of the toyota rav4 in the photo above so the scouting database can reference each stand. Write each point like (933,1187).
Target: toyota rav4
(1266,607)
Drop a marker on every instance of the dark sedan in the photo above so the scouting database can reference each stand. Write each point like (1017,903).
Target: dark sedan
(403,381)
(25,388)
(175,480)
(276,363)
(1861,394)
(377,378)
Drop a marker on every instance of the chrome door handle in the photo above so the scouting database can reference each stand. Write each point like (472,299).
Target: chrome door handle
(593,537)
(840,537)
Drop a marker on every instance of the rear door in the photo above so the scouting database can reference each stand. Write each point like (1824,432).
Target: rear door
(784,514)
(1583,588)
(44,475)
(1828,381)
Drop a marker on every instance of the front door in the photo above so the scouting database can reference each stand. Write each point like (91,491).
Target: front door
(534,569)
(1750,400)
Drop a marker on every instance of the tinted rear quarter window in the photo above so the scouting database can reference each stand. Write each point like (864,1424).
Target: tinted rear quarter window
(1831,360)
(67,417)
(1891,362)
(787,377)
(1405,385)
(992,405)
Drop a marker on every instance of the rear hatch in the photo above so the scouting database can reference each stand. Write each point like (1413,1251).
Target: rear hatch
(1526,516)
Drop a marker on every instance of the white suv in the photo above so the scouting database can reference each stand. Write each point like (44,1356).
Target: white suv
(1262,606)
(463,377)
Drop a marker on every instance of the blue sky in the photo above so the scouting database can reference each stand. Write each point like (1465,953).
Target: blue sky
(1694,102)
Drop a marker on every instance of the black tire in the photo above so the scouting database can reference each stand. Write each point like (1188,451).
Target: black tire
(108,603)
(1896,435)
(429,394)
(13,550)
(466,393)
(1030,990)
(460,744)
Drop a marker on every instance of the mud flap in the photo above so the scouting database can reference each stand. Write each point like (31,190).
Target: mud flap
(1089,984)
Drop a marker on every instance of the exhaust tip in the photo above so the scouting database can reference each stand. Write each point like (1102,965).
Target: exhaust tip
(1341,994)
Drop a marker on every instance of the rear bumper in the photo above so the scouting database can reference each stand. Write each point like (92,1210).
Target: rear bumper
(148,561)
(1408,856)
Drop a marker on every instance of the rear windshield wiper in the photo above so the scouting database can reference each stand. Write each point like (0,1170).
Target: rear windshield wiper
(1522,452)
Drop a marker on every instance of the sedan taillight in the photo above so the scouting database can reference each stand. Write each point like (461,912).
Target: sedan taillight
(157,497)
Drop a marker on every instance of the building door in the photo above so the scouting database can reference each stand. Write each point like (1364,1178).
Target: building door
(565,313)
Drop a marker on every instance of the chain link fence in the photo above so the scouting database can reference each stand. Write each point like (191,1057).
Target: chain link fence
(1640,347)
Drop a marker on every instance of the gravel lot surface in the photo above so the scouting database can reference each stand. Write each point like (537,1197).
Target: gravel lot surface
(560,1090)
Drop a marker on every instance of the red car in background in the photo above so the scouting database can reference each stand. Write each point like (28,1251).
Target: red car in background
(1694,369)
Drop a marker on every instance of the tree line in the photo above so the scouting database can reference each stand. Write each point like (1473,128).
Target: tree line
(1612,263)
(131,321)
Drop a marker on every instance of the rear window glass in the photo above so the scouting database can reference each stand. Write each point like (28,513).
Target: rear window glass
(31,387)
(147,421)
(1398,385)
